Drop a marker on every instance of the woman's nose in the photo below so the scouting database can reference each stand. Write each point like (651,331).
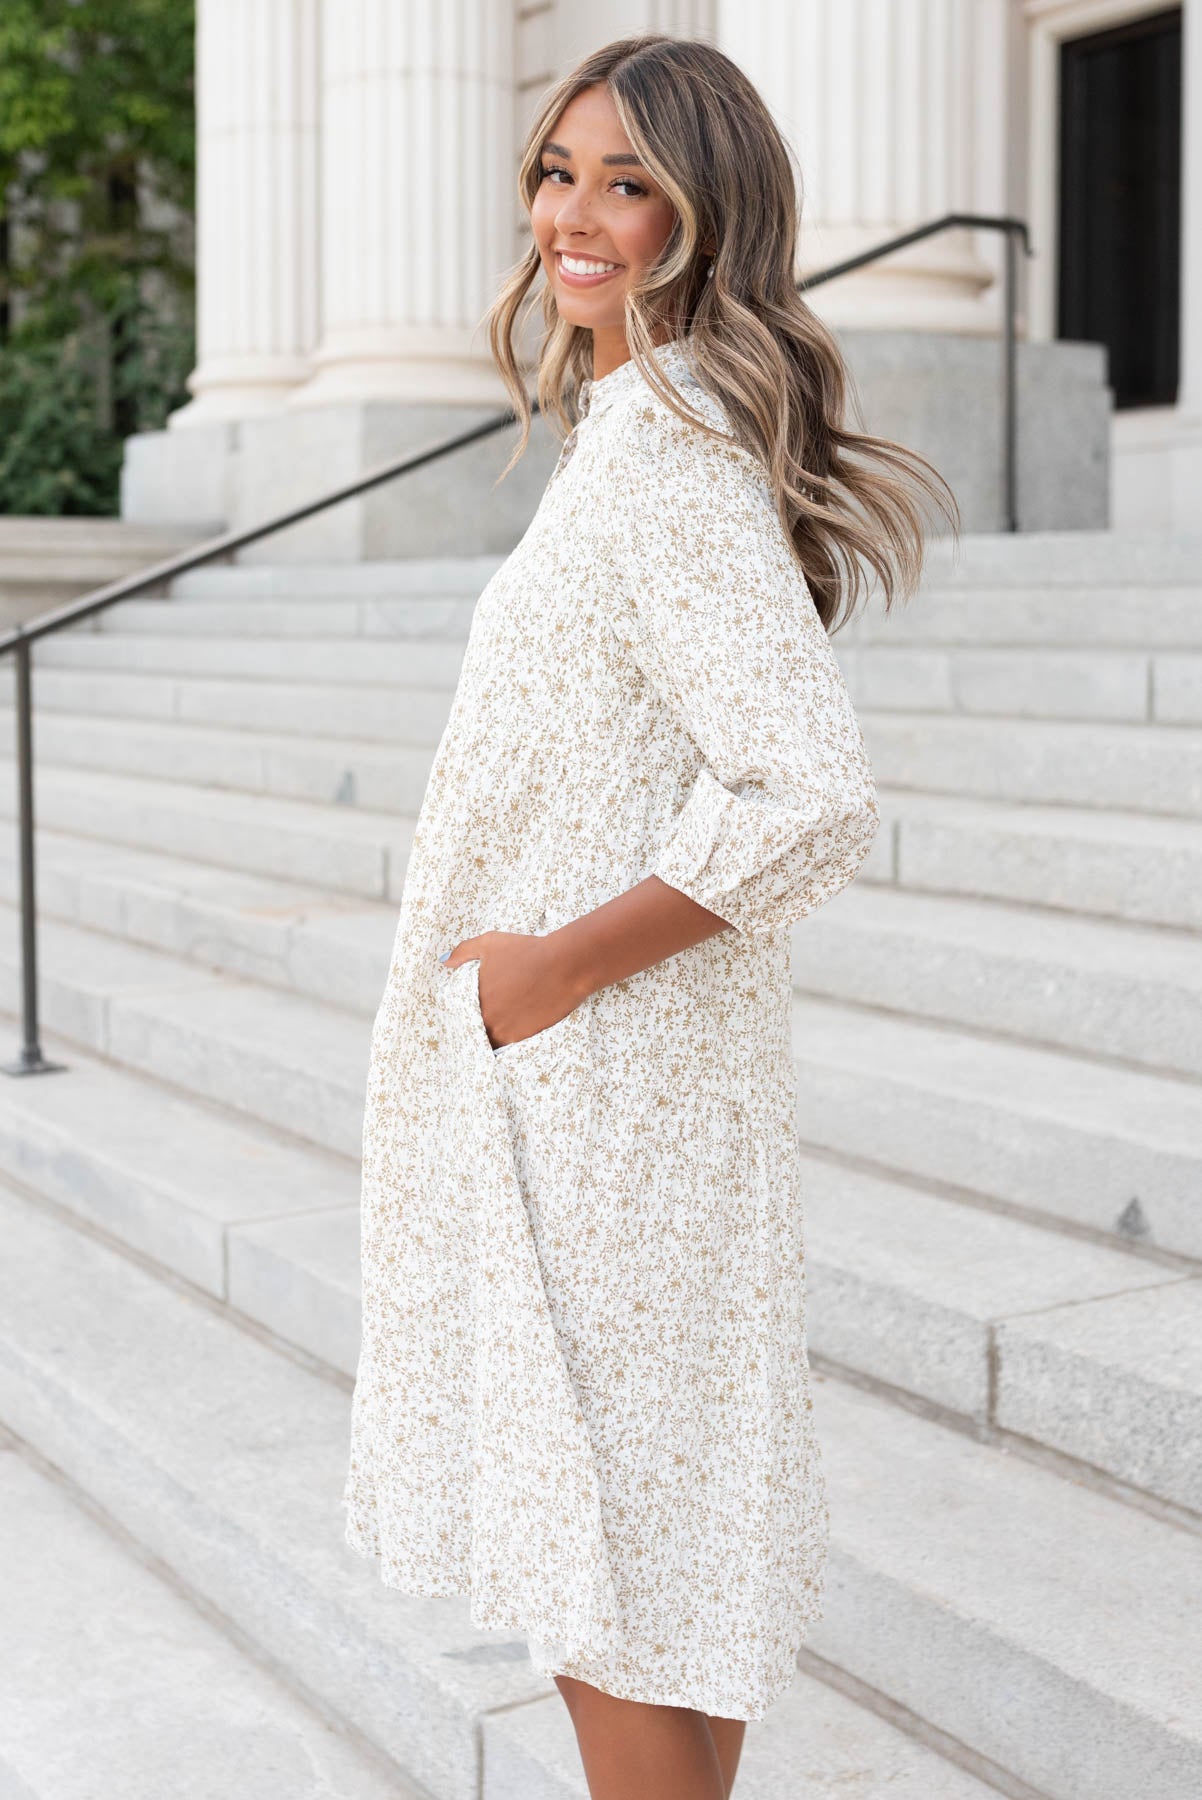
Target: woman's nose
(573,210)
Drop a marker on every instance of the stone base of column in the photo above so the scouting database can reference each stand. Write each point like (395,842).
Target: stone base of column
(939,284)
(180,478)
(942,395)
(264,465)
(237,387)
(407,364)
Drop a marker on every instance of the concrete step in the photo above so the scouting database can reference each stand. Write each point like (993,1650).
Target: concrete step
(1106,989)
(990,1597)
(1114,615)
(45,561)
(419,577)
(814,1744)
(1007,1326)
(316,709)
(1039,682)
(115,1685)
(1146,871)
(1107,1151)
(1138,768)
(983,1575)
(911,1289)
(344,772)
(225,1459)
(1073,704)
(1064,681)
(43,531)
(1078,1347)
(1080,860)
(277,1057)
(416,662)
(281,933)
(341,849)
(1149,773)
(1039,560)
(299,615)
(200,1189)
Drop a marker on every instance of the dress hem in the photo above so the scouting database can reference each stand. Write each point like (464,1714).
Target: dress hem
(419,1589)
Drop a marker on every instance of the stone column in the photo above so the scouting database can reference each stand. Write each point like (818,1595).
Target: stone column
(417,198)
(257,205)
(895,110)
(579,26)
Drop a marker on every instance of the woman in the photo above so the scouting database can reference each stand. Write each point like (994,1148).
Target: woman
(583,1392)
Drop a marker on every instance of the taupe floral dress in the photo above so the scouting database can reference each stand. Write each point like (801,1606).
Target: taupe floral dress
(583,1393)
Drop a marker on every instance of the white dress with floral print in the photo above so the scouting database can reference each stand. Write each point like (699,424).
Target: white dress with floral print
(583,1392)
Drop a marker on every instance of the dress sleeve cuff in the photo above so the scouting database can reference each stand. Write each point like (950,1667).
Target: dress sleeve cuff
(700,858)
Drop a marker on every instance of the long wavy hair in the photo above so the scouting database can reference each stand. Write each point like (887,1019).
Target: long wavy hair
(848,501)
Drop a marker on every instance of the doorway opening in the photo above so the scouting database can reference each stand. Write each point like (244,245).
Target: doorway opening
(1120,202)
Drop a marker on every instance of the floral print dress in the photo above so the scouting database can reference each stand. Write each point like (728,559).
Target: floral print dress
(583,1391)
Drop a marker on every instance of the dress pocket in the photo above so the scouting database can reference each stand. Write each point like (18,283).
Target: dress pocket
(539,1041)
(565,1036)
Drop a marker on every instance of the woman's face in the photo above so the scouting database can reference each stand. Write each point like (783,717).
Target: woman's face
(598,218)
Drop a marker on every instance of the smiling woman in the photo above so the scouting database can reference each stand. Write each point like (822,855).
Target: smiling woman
(583,1396)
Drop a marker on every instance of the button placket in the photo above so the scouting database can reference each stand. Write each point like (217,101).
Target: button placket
(566,450)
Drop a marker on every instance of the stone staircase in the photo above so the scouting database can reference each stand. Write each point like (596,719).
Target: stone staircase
(45,562)
(998,1033)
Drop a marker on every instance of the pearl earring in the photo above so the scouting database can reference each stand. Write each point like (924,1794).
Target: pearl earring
(709,273)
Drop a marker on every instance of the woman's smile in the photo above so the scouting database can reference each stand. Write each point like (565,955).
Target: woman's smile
(584,271)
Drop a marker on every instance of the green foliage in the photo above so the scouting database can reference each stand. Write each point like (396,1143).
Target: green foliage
(59,396)
(96,130)
(55,457)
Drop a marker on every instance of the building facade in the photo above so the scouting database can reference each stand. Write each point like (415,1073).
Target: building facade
(354,216)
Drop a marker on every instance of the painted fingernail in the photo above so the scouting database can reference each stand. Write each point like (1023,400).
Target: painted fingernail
(444,956)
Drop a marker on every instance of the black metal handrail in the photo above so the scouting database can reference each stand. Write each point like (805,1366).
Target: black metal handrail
(20,640)
(1013,230)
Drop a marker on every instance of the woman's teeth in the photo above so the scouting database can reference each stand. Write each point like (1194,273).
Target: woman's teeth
(575,266)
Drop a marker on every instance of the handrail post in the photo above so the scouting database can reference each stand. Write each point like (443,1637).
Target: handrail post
(31,1061)
(1010,449)
(1011,229)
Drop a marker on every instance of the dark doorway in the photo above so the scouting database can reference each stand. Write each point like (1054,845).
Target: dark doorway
(1120,202)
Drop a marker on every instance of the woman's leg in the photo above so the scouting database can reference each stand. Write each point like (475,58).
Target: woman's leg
(633,1751)
(728,1742)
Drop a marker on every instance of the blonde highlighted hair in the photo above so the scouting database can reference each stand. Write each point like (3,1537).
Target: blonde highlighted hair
(848,501)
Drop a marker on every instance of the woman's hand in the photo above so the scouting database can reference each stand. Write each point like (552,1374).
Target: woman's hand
(526,982)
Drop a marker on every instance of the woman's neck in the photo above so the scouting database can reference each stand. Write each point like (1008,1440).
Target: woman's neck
(610,349)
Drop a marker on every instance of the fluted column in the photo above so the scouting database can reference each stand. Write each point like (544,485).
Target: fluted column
(895,110)
(256,205)
(418,178)
(579,26)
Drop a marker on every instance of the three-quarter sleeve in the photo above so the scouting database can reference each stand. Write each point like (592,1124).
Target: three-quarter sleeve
(783,807)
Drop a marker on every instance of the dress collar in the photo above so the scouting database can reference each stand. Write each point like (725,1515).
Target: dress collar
(673,357)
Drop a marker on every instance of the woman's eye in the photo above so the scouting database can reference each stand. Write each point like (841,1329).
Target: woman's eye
(623,181)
